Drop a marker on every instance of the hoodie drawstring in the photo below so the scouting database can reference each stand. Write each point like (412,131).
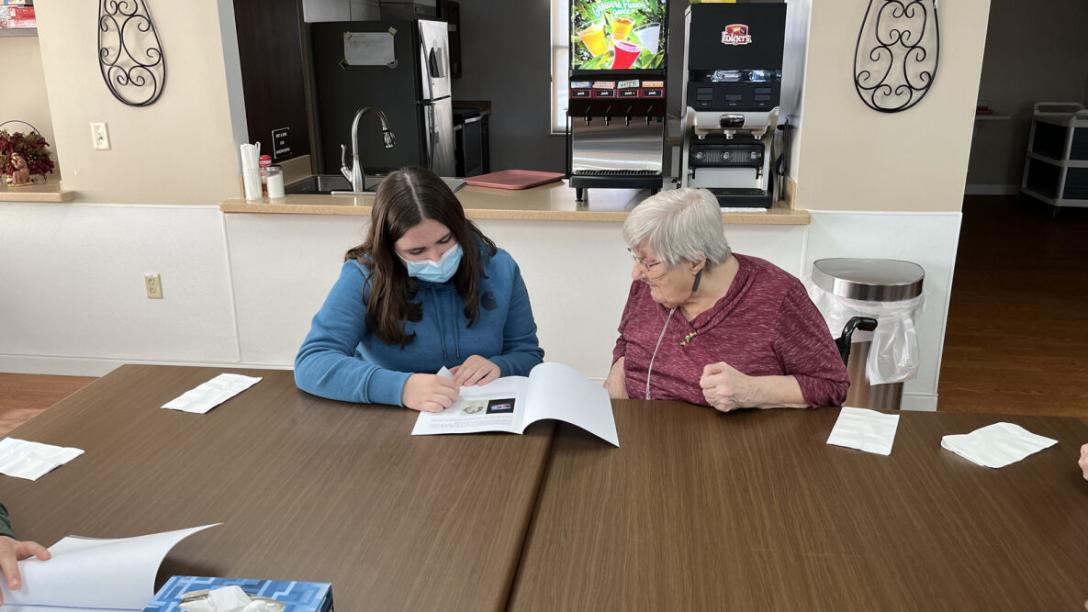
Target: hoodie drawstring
(441,328)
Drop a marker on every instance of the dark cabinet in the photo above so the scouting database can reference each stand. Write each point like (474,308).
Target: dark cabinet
(471,135)
(450,12)
(274,80)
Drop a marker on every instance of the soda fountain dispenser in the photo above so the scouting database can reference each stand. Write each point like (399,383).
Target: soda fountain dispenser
(616,110)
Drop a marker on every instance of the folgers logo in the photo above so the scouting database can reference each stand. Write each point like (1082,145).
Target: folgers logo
(736,34)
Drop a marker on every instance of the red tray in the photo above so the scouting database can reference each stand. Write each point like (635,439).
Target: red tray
(514,179)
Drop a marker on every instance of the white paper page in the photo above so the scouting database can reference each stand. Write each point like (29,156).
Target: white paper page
(496,406)
(558,391)
(32,460)
(87,573)
(997,445)
(865,430)
(369,49)
(62,609)
(203,398)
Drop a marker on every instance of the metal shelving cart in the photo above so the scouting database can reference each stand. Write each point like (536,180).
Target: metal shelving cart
(1056,166)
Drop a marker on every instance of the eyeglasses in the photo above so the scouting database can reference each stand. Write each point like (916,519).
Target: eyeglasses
(647,266)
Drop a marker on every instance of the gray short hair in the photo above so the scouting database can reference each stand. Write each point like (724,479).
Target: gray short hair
(679,225)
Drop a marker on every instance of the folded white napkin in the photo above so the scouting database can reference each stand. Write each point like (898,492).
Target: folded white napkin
(996,445)
(212,393)
(865,430)
(32,460)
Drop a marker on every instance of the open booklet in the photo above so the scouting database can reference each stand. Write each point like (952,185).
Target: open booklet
(512,403)
(94,574)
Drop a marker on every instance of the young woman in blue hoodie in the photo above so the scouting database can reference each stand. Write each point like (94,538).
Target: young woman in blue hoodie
(427,289)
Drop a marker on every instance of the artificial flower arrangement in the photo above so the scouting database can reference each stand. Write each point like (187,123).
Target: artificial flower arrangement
(33,150)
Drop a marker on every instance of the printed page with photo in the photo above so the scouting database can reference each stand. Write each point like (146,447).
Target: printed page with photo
(510,404)
(496,406)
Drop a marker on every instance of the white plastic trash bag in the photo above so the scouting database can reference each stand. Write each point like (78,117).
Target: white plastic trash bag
(893,356)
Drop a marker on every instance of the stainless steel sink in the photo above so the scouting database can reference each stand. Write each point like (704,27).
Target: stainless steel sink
(336,184)
(321,183)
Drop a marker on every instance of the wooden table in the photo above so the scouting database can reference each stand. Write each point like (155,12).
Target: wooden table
(754,511)
(697,510)
(307,489)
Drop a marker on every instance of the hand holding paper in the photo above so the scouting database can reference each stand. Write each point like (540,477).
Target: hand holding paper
(11,552)
(429,392)
(90,573)
(475,370)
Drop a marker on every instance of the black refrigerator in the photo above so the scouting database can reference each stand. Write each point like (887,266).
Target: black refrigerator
(401,67)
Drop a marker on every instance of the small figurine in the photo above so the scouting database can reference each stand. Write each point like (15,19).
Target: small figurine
(21,174)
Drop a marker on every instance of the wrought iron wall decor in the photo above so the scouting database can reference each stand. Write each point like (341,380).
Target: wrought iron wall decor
(897,53)
(129,52)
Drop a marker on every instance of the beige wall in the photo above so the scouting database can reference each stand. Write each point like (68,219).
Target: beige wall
(23,87)
(178,150)
(1047,62)
(854,158)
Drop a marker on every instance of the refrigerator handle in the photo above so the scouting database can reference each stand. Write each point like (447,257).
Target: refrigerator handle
(434,63)
(429,133)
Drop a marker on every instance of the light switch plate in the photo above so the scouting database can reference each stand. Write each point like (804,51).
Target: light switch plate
(153,285)
(100,136)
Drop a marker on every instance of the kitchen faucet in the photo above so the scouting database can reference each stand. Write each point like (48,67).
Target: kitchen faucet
(355,173)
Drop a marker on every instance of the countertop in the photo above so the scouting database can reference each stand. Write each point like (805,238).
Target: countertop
(47,192)
(553,202)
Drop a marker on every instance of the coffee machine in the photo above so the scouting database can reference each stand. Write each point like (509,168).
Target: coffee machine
(732,90)
(616,106)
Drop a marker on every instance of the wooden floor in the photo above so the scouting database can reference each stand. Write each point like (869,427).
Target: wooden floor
(1017,334)
(24,396)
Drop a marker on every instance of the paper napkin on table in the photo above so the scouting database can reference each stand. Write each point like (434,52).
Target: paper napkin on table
(32,460)
(865,430)
(212,393)
(996,445)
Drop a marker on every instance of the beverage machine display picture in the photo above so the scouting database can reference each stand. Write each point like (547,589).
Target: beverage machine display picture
(618,34)
(616,107)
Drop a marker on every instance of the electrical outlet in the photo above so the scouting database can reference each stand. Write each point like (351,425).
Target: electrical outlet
(100,136)
(153,284)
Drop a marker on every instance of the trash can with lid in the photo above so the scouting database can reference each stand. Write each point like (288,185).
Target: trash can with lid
(870,304)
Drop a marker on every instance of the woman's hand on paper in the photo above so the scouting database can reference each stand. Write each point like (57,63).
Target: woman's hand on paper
(11,552)
(1084,467)
(475,370)
(616,383)
(429,392)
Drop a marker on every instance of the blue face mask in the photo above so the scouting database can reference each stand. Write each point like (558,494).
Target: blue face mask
(436,272)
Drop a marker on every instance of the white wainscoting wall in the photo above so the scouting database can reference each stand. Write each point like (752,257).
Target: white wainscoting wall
(240,289)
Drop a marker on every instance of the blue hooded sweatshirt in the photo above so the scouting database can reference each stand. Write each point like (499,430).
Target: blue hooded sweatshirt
(343,360)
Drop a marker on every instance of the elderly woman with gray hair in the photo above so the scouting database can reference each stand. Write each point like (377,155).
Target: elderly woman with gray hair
(708,326)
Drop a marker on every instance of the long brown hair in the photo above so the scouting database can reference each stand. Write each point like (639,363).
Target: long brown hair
(404,199)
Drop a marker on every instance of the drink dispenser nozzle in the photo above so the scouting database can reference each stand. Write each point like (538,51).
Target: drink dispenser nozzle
(607,115)
(588,116)
(627,116)
(649,113)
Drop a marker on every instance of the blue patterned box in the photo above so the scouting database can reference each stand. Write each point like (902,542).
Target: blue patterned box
(298,596)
